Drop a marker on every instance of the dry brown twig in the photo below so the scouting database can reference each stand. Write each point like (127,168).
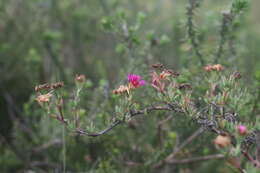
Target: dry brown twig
(177,149)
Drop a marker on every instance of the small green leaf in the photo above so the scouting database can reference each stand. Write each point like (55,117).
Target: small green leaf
(164,39)
(120,48)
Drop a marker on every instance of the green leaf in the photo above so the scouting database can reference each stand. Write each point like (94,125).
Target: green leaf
(120,48)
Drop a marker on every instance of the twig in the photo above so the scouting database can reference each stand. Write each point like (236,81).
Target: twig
(104,6)
(191,32)
(196,159)
(17,152)
(159,128)
(226,20)
(258,149)
(132,164)
(43,164)
(251,159)
(178,149)
(186,142)
(55,60)
(132,114)
(47,145)
(14,113)
(82,132)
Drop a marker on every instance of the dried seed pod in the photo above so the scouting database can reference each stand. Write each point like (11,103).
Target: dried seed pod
(49,86)
(184,86)
(157,65)
(121,90)
(57,85)
(80,78)
(218,67)
(208,68)
(42,87)
(167,72)
(237,75)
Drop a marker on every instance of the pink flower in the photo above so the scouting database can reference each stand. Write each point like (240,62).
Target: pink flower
(242,129)
(135,80)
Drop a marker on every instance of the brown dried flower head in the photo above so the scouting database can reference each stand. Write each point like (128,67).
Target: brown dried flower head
(57,85)
(208,68)
(44,98)
(216,67)
(157,65)
(80,78)
(222,141)
(237,75)
(49,86)
(121,90)
(165,73)
(184,86)
(42,87)
(157,82)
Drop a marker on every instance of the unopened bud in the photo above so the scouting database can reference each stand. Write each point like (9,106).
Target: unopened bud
(80,78)
(242,130)
(222,141)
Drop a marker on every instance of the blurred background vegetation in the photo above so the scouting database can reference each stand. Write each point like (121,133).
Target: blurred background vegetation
(52,40)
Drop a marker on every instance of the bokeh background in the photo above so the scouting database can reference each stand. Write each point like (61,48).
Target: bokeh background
(52,40)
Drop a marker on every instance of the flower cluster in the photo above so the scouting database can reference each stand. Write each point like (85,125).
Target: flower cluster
(134,81)
(44,98)
(157,65)
(47,86)
(216,67)
(159,81)
(121,90)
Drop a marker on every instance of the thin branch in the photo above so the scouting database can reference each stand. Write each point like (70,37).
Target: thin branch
(258,149)
(132,114)
(178,149)
(15,114)
(55,60)
(226,20)
(104,7)
(191,32)
(186,142)
(15,150)
(159,128)
(196,159)
(43,164)
(150,109)
(254,162)
(82,132)
(47,145)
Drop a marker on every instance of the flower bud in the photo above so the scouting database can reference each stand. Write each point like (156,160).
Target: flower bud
(222,141)
(242,130)
(80,78)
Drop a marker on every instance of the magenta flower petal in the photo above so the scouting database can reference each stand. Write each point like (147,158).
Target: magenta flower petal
(142,82)
(135,80)
(242,129)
